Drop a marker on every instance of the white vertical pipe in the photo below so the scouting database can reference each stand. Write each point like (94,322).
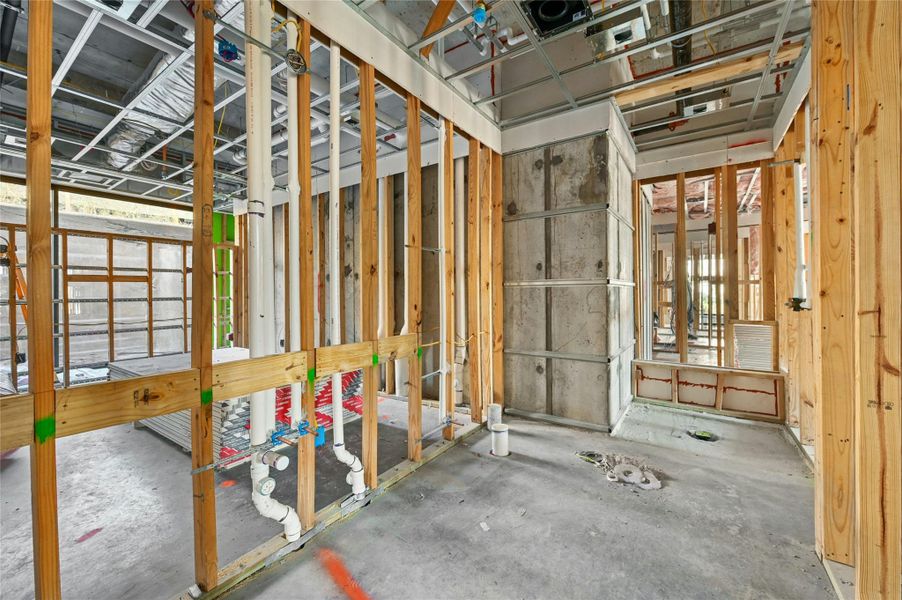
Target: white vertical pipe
(262,334)
(256,218)
(800,291)
(264,34)
(442,285)
(460,295)
(293,297)
(355,477)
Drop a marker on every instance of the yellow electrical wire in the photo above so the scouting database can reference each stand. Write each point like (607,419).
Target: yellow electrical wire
(222,116)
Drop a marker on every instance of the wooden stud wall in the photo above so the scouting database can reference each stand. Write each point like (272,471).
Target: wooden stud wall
(38,417)
(876,98)
(680,273)
(446,237)
(45,530)
(833,292)
(414,308)
(730,220)
(306,505)
(474,325)
(369,268)
(203,485)
(497,282)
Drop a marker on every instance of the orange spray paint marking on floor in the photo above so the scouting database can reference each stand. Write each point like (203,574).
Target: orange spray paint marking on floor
(340,575)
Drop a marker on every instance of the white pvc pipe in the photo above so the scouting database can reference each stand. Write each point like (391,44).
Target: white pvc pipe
(256,218)
(443,359)
(500,445)
(269,288)
(268,506)
(460,296)
(800,287)
(293,297)
(262,335)
(355,477)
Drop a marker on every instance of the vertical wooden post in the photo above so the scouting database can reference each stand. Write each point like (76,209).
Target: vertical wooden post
(876,94)
(414,272)
(369,284)
(41,378)
(680,273)
(639,266)
(718,263)
(497,282)
(306,451)
(388,306)
(204,492)
(447,244)
(474,327)
(768,242)
(731,253)
(321,207)
(833,294)
(486,340)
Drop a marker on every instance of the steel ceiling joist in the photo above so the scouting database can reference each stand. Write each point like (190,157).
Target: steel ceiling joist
(534,41)
(450,28)
(642,46)
(736,53)
(778,39)
(605,15)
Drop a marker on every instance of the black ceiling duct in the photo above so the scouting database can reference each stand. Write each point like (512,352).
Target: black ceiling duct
(549,17)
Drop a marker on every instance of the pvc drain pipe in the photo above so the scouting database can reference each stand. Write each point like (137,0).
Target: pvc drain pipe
(495,412)
(499,440)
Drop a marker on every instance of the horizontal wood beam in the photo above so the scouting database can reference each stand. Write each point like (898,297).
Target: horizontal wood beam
(439,15)
(243,377)
(16,421)
(708,75)
(95,406)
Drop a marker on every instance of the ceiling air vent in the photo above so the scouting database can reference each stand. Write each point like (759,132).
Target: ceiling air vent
(549,17)
(705,103)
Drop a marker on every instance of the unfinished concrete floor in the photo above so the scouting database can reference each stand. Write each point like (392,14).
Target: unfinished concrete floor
(125,512)
(733,520)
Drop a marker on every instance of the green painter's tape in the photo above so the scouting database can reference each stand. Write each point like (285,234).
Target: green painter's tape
(311,375)
(206,396)
(420,352)
(375,359)
(44,429)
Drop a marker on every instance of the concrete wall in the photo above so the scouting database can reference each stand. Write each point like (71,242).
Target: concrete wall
(568,280)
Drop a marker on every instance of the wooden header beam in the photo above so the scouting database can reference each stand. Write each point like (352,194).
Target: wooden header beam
(436,21)
(729,70)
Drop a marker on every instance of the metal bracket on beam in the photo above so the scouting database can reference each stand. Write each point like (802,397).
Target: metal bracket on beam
(293,59)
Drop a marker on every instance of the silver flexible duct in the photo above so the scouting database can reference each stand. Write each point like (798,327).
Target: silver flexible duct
(171,98)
